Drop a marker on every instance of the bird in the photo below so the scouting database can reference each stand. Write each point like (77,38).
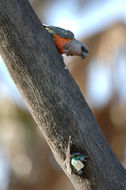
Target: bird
(66,42)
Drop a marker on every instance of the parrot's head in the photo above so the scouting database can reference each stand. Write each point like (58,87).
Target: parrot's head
(75,47)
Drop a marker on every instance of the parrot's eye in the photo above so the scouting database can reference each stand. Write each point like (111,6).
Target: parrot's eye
(85,49)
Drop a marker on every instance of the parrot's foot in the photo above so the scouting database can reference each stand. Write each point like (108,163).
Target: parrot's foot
(63,61)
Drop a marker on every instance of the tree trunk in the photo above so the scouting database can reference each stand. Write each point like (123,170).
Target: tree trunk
(54,99)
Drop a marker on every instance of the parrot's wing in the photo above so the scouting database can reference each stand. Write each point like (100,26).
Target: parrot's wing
(60,31)
(52,32)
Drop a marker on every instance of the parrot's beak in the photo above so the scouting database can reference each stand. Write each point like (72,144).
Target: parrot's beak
(84,51)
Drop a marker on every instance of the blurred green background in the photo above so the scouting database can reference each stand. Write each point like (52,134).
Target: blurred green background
(26,162)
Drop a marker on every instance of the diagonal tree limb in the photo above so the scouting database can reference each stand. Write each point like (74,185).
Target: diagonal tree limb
(54,99)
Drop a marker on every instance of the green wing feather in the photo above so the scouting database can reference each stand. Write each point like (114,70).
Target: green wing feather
(60,31)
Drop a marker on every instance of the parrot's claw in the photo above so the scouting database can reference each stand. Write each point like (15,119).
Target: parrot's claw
(63,61)
(66,51)
(62,58)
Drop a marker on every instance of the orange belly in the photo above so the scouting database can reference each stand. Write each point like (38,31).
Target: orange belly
(60,43)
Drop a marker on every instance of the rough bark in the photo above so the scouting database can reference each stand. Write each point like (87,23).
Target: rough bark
(54,99)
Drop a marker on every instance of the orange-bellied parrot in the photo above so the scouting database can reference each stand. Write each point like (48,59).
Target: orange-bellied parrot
(66,42)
